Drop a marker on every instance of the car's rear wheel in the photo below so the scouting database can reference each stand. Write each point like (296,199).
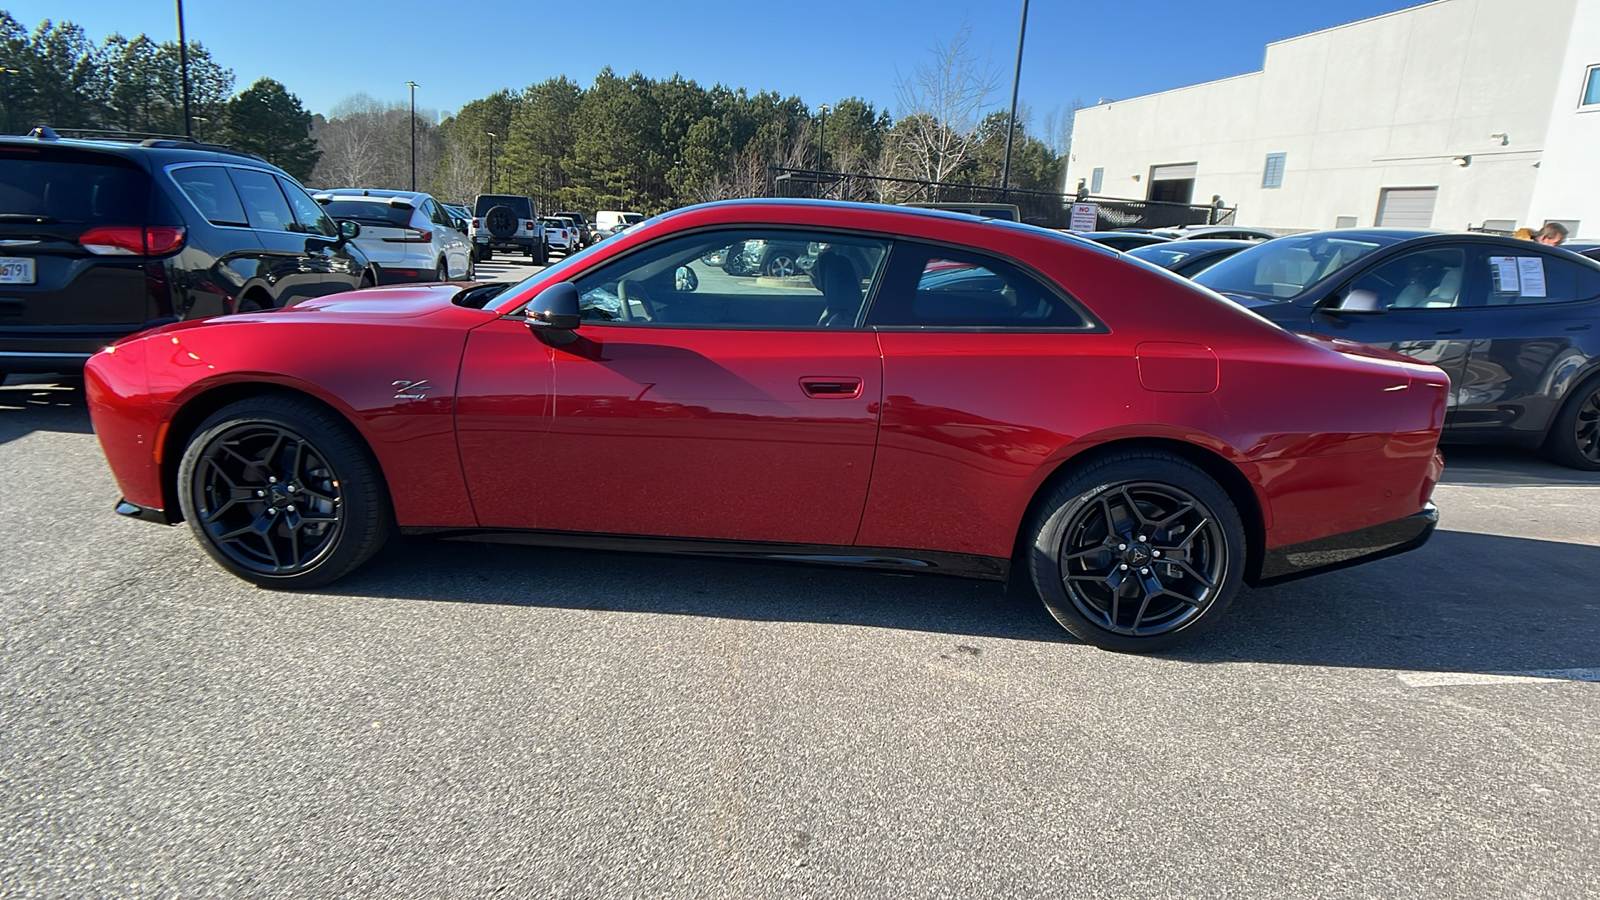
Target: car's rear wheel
(1574,438)
(283,493)
(442,273)
(782,265)
(1137,551)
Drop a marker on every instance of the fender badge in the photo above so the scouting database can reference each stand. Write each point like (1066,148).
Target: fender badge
(412,390)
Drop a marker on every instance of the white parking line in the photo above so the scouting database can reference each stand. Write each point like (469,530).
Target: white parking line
(1525,676)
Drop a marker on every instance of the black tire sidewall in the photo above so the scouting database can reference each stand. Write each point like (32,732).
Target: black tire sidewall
(1561,443)
(1085,484)
(368,516)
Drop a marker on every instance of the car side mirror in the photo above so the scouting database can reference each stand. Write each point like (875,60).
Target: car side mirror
(553,313)
(685,280)
(348,230)
(1359,302)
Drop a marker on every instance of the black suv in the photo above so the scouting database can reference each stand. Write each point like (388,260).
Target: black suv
(103,238)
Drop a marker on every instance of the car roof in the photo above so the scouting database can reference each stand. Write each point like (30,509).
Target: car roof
(159,151)
(365,192)
(1198,245)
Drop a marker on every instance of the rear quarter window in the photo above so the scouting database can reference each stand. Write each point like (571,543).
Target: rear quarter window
(211,191)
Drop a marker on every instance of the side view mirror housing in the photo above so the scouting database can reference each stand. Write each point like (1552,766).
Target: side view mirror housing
(1358,302)
(685,280)
(348,230)
(554,314)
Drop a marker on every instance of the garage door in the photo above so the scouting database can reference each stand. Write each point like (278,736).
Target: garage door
(1407,207)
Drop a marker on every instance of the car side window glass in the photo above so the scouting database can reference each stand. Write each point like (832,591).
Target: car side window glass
(1422,279)
(1523,279)
(209,188)
(742,278)
(264,204)
(308,213)
(946,288)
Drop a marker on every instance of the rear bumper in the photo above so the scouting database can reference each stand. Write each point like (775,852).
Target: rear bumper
(1349,549)
(60,348)
(495,243)
(403,274)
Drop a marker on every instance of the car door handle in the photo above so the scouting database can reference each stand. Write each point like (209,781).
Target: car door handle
(830,387)
(1451,331)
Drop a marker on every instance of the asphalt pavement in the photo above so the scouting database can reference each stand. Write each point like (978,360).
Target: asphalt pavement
(460,720)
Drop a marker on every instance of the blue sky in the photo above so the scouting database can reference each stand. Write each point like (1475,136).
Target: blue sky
(821,50)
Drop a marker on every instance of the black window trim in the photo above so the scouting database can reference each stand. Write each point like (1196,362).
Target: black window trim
(229,165)
(195,206)
(1094,324)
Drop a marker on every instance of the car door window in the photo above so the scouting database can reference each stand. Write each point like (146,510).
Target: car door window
(209,188)
(1433,278)
(1521,279)
(264,203)
(945,288)
(744,278)
(309,215)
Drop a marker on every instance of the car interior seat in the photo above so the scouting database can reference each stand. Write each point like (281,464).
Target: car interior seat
(841,290)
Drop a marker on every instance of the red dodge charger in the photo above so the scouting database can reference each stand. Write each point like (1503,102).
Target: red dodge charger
(911,390)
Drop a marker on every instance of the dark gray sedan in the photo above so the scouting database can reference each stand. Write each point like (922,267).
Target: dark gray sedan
(1515,323)
(1190,257)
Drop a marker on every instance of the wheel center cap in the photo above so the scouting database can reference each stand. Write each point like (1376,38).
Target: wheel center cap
(278,495)
(1137,555)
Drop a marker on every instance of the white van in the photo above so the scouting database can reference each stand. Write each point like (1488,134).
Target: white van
(608,219)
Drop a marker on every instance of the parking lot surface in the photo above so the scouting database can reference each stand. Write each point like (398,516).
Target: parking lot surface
(466,720)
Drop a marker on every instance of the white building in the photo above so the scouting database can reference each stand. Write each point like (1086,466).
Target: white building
(1449,114)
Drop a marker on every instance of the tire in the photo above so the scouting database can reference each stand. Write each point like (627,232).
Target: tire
(1176,533)
(500,222)
(443,272)
(1574,436)
(486,255)
(273,453)
(540,258)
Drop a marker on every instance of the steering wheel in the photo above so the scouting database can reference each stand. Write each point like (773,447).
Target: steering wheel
(629,291)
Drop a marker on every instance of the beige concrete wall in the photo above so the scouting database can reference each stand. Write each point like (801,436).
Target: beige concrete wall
(1384,102)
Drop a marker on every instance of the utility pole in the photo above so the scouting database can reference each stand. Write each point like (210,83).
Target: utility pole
(1016,79)
(414,87)
(822,132)
(492,136)
(183,63)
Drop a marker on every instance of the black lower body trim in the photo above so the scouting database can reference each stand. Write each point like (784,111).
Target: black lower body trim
(145,513)
(961,565)
(1349,549)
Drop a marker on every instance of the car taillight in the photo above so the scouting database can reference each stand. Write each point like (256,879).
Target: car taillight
(417,234)
(532,225)
(477,223)
(129,240)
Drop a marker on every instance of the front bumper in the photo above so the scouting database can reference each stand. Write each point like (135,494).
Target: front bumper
(1349,549)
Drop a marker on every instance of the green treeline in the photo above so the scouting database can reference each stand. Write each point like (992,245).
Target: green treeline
(621,142)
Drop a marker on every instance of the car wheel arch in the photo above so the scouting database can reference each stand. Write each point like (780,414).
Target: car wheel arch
(1246,498)
(198,405)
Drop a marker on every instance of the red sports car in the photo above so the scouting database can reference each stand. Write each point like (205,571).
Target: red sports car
(937,394)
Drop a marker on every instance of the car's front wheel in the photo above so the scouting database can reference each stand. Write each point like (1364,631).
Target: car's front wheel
(1137,551)
(1574,438)
(283,492)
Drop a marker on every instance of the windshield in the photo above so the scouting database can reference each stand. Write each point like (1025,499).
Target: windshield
(518,205)
(1161,254)
(1284,268)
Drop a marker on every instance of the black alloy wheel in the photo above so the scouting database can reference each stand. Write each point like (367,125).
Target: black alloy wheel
(1574,438)
(1138,551)
(283,493)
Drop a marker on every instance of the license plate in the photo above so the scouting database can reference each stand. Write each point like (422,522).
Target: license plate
(16,270)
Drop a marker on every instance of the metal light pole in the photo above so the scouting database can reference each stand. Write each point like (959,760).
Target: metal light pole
(492,136)
(183,63)
(1016,79)
(7,71)
(414,87)
(822,133)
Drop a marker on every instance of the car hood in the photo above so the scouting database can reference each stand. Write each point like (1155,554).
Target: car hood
(401,301)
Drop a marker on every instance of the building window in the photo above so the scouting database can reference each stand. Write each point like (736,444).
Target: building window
(1591,87)
(1272,176)
(1096,180)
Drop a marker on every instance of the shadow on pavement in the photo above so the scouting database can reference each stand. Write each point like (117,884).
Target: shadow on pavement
(1466,602)
(1506,467)
(35,405)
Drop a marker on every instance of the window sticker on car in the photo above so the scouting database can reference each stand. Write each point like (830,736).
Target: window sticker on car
(1504,269)
(1531,271)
